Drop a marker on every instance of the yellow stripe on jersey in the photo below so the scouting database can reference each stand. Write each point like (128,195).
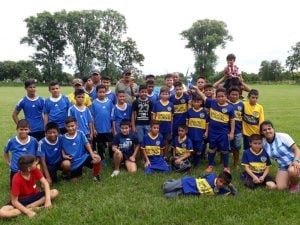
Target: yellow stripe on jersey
(152,150)
(238,115)
(257,167)
(197,123)
(180,151)
(204,187)
(181,108)
(218,116)
(163,116)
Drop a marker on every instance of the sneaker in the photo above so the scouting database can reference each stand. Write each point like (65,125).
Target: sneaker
(209,169)
(115,173)
(294,188)
(226,169)
(96,178)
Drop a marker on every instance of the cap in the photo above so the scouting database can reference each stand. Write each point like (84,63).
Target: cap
(127,71)
(77,81)
(95,72)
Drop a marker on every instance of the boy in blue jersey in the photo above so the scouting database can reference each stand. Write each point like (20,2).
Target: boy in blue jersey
(77,152)
(210,184)
(181,104)
(220,129)
(182,148)
(197,122)
(238,107)
(141,113)
(106,81)
(125,147)
(49,152)
(101,110)
(82,114)
(89,88)
(163,112)
(152,149)
(257,165)
(56,107)
(32,106)
(152,94)
(19,145)
(121,110)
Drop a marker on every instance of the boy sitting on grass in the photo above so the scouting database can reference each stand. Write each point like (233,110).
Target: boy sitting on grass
(25,196)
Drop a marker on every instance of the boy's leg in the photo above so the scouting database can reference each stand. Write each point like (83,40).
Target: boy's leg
(100,146)
(172,188)
(8,211)
(118,157)
(66,168)
(248,181)
(224,146)
(131,166)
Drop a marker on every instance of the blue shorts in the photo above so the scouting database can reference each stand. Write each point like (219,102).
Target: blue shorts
(236,143)
(219,142)
(198,146)
(157,164)
(28,200)
(141,131)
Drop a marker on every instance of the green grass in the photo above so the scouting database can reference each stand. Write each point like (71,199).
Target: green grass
(138,199)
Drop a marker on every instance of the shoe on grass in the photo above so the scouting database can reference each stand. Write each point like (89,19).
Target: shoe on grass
(96,178)
(115,173)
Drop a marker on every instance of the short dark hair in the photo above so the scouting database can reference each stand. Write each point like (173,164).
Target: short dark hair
(183,126)
(70,119)
(221,90)
(178,84)
(22,123)
(29,82)
(196,96)
(234,88)
(230,57)
(253,92)
(120,92)
(265,123)
(154,122)
(78,92)
(169,75)
(86,78)
(164,89)
(125,122)
(149,75)
(255,137)
(25,161)
(53,83)
(226,177)
(208,85)
(142,87)
(150,82)
(106,78)
(51,125)
(100,86)
(201,77)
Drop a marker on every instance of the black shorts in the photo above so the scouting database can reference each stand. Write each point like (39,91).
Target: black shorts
(38,135)
(248,181)
(28,200)
(104,137)
(78,172)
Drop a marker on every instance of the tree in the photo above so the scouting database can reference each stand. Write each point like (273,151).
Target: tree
(45,33)
(264,70)
(203,38)
(293,60)
(270,71)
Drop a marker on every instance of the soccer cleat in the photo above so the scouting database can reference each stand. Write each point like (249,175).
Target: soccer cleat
(96,178)
(209,169)
(115,173)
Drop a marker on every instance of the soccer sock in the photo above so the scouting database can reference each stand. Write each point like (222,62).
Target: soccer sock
(197,158)
(225,159)
(211,158)
(96,168)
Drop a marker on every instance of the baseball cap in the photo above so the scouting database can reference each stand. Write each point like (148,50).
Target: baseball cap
(77,81)
(95,72)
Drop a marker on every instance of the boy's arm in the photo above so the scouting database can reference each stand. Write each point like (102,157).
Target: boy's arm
(114,131)
(133,116)
(147,162)
(46,119)
(266,172)
(184,157)
(15,202)
(153,116)
(45,170)
(218,83)
(6,158)
(46,187)
(15,116)
(91,128)
(136,150)
(245,86)
(232,126)
(94,156)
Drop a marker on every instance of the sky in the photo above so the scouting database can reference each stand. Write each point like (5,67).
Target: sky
(261,30)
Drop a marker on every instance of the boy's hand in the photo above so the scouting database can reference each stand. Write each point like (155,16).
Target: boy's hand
(261,179)
(231,136)
(96,158)
(47,204)
(178,161)
(49,180)
(256,180)
(132,158)
(31,213)
(147,163)
(69,157)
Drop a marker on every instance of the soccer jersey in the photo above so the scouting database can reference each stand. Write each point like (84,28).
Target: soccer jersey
(180,108)
(152,145)
(142,108)
(238,108)
(87,99)
(112,96)
(24,188)
(83,117)
(182,146)
(118,114)
(253,116)
(197,120)
(257,162)
(75,147)
(51,152)
(33,112)
(92,93)
(17,149)
(126,143)
(153,97)
(101,111)
(163,114)
(280,149)
(57,109)
(220,116)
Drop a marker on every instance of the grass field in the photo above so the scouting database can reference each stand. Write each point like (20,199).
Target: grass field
(138,199)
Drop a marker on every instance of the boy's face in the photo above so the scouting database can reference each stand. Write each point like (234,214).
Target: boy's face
(143,93)
(23,132)
(200,83)
(31,90)
(181,132)
(169,82)
(220,183)
(51,135)
(127,77)
(101,93)
(71,128)
(89,83)
(197,104)
(268,131)
(121,98)
(79,99)
(230,62)
(221,98)
(55,91)
(106,83)
(209,92)
(125,129)
(256,145)
(175,77)
(154,129)
(178,91)
(150,89)
(253,99)
(95,78)
(164,96)
(234,96)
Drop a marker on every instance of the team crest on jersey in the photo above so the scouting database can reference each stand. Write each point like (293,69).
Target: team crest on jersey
(169,109)
(239,108)
(182,100)
(157,142)
(263,159)
(224,110)
(255,114)
(202,115)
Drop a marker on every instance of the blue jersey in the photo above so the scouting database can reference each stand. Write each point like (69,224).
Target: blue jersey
(57,109)
(17,149)
(33,112)
(202,186)
(180,108)
(101,111)
(257,162)
(92,93)
(153,97)
(112,96)
(126,143)
(181,147)
(152,145)
(163,114)
(197,120)
(220,116)
(75,147)
(50,151)
(119,114)
(142,108)
(238,108)
(83,117)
